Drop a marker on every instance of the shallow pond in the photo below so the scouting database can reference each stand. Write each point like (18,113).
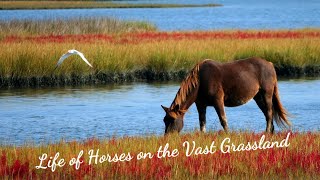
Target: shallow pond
(76,113)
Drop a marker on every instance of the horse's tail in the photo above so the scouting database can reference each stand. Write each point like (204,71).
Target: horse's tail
(279,112)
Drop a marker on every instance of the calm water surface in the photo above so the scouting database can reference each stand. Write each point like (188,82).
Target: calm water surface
(234,14)
(42,115)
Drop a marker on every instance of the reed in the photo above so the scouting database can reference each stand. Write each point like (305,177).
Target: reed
(149,60)
(88,4)
(300,159)
(30,60)
(80,25)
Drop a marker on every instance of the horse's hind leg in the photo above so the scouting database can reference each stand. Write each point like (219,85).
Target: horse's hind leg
(219,107)
(264,101)
(202,116)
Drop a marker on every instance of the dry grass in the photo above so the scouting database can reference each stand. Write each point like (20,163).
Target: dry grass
(71,26)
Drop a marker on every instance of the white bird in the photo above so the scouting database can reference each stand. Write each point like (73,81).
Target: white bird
(69,53)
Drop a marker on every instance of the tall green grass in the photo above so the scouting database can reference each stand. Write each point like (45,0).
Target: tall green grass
(144,60)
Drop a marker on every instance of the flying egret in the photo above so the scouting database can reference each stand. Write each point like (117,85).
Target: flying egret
(69,53)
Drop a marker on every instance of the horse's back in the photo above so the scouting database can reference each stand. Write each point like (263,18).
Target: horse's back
(238,81)
(250,68)
(263,70)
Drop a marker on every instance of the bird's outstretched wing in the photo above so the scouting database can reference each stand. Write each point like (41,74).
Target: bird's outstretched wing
(83,58)
(62,58)
(69,53)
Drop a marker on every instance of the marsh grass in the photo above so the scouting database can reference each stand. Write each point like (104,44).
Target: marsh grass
(88,4)
(81,25)
(31,63)
(300,159)
(155,56)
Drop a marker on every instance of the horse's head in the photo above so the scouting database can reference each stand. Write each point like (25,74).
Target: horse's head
(173,119)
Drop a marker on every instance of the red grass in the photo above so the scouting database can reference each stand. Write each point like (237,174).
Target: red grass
(84,170)
(274,163)
(163,36)
(17,170)
(280,161)
(153,168)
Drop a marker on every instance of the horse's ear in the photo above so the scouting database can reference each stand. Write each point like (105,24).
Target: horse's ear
(177,110)
(165,108)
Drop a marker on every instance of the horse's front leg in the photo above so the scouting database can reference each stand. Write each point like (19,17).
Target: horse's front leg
(202,116)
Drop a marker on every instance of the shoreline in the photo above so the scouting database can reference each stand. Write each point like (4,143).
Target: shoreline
(136,76)
(23,5)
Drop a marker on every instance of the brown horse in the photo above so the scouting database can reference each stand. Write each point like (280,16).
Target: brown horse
(230,84)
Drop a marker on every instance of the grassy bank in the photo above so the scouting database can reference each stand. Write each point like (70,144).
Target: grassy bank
(300,159)
(7,5)
(29,61)
(134,51)
(80,25)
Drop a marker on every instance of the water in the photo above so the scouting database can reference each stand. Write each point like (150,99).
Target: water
(234,14)
(42,115)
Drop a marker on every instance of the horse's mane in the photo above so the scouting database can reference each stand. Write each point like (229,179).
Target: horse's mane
(187,86)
